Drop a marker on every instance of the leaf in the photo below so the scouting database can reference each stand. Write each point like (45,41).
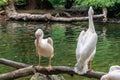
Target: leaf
(2,3)
(97,3)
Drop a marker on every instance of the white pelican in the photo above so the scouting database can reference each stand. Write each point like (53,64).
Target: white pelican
(44,47)
(113,74)
(86,46)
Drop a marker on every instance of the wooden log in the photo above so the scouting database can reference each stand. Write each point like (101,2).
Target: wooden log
(17,73)
(31,70)
(48,17)
(2,12)
(105,14)
(13,63)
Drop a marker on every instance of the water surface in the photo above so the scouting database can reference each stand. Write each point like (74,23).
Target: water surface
(17,43)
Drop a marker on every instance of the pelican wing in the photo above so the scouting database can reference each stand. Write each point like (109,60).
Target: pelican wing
(114,75)
(50,41)
(89,47)
(92,54)
(79,43)
(81,36)
(85,53)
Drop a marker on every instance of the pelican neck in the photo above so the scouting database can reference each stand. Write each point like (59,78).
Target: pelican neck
(91,24)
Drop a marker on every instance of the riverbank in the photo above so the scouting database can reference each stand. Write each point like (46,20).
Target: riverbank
(60,13)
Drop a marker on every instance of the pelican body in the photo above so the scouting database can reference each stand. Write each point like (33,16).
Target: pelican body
(44,47)
(113,74)
(86,46)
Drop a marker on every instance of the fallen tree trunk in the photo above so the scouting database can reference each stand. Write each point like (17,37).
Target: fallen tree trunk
(17,74)
(29,70)
(14,64)
(48,17)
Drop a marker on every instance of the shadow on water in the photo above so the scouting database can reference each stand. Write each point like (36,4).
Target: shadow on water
(17,43)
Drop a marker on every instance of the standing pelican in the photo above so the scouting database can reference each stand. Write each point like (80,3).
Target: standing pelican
(86,46)
(44,47)
(113,74)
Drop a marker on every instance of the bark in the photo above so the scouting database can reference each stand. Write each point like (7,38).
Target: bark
(2,12)
(105,14)
(48,17)
(13,63)
(10,8)
(17,73)
(63,14)
(29,70)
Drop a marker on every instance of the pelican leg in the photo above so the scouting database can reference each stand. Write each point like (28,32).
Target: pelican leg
(90,65)
(36,52)
(49,66)
(50,63)
(36,45)
(39,60)
(39,65)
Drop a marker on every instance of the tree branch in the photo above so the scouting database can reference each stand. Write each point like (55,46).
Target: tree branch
(29,70)
(13,63)
(17,73)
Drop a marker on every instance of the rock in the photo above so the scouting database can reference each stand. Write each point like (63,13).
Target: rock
(38,76)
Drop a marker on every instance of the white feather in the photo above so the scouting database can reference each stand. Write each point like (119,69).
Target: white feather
(113,74)
(86,47)
(44,47)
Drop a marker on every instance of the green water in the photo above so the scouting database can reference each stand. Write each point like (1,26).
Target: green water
(17,43)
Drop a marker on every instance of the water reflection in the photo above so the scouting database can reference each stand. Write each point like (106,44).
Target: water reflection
(17,43)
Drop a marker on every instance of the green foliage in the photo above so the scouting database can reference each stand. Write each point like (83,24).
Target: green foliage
(117,15)
(2,3)
(57,2)
(98,3)
(21,2)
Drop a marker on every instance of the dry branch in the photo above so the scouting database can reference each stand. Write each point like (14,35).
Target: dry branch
(17,73)
(29,70)
(12,63)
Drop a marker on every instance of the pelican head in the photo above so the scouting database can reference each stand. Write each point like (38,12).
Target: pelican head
(113,68)
(113,74)
(39,33)
(91,11)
